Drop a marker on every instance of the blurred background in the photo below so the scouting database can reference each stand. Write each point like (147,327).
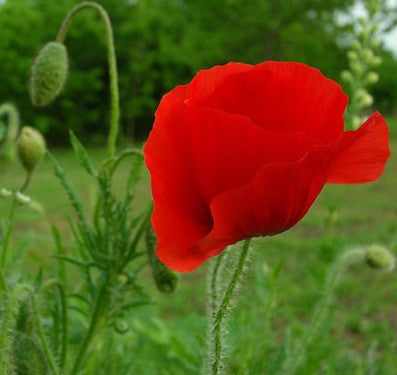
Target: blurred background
(162,43)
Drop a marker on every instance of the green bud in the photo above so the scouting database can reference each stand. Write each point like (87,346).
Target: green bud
(347,76)
(357,68)
(48,74)
(372,78)
(379,257)
(165,279)
(363,98)
(375,43)
(356,122)
(376,61)
(30,147)
(356,45)
(352,55)
(368,55)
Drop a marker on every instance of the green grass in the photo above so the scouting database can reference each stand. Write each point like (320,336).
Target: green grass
(167,338)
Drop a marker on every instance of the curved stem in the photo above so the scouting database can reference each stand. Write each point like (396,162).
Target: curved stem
(26,182)
(13,120)
(349,257)
(113,76)
(216,321)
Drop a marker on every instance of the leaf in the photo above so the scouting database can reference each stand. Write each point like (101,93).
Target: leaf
(82,155)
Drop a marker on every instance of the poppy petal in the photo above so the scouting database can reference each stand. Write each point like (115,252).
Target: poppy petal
(207,80)
(365,159)
(227,150)
(286,97)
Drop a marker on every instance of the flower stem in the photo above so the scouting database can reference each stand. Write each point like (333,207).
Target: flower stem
(112,66)
(292,362)
(218,310)
(7,235)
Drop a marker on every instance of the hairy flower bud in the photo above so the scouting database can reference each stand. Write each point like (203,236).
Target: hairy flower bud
(31,147)
(379,257)
(165,279)
(48,74)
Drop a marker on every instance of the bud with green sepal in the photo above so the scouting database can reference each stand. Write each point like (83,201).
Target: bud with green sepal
(379,257)
(48,75)
(31,147)
(165,279)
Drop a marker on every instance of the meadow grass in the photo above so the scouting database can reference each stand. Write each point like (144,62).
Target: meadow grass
(279,294)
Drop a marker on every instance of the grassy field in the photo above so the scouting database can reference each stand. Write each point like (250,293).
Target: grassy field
(280,291)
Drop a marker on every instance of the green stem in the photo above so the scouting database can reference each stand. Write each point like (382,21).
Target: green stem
(97,318)
(217,318)
(64,318)
(26,182)
(113,76)
(349,257)
(7,235)
(13,120)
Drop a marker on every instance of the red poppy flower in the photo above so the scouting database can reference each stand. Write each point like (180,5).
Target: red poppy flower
(243,151)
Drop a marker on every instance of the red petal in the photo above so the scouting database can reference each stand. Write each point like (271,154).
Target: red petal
(365,159)
(227,150)
(284,96)
(206,81)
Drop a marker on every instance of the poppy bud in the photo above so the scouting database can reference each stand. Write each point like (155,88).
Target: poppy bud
(165,279)
(48,74)
(30,147)
(379,257)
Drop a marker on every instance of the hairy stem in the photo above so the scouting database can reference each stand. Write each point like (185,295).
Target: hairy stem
(219,309)
(349,257)
(12,303)
(112,65)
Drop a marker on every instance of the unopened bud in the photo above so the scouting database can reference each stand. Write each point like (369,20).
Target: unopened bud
(363,98)
(30,147)
(347,76)
(48,74)
(356,45)
(352,55)
(356,67)
(165,279)
(376,61)
(368,55)
(356,122)
(379,257)
(375,43)
(372,78)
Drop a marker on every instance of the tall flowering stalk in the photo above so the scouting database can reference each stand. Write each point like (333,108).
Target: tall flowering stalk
(362,62)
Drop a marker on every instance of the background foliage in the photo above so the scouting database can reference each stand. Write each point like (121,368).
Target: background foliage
(162,43)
